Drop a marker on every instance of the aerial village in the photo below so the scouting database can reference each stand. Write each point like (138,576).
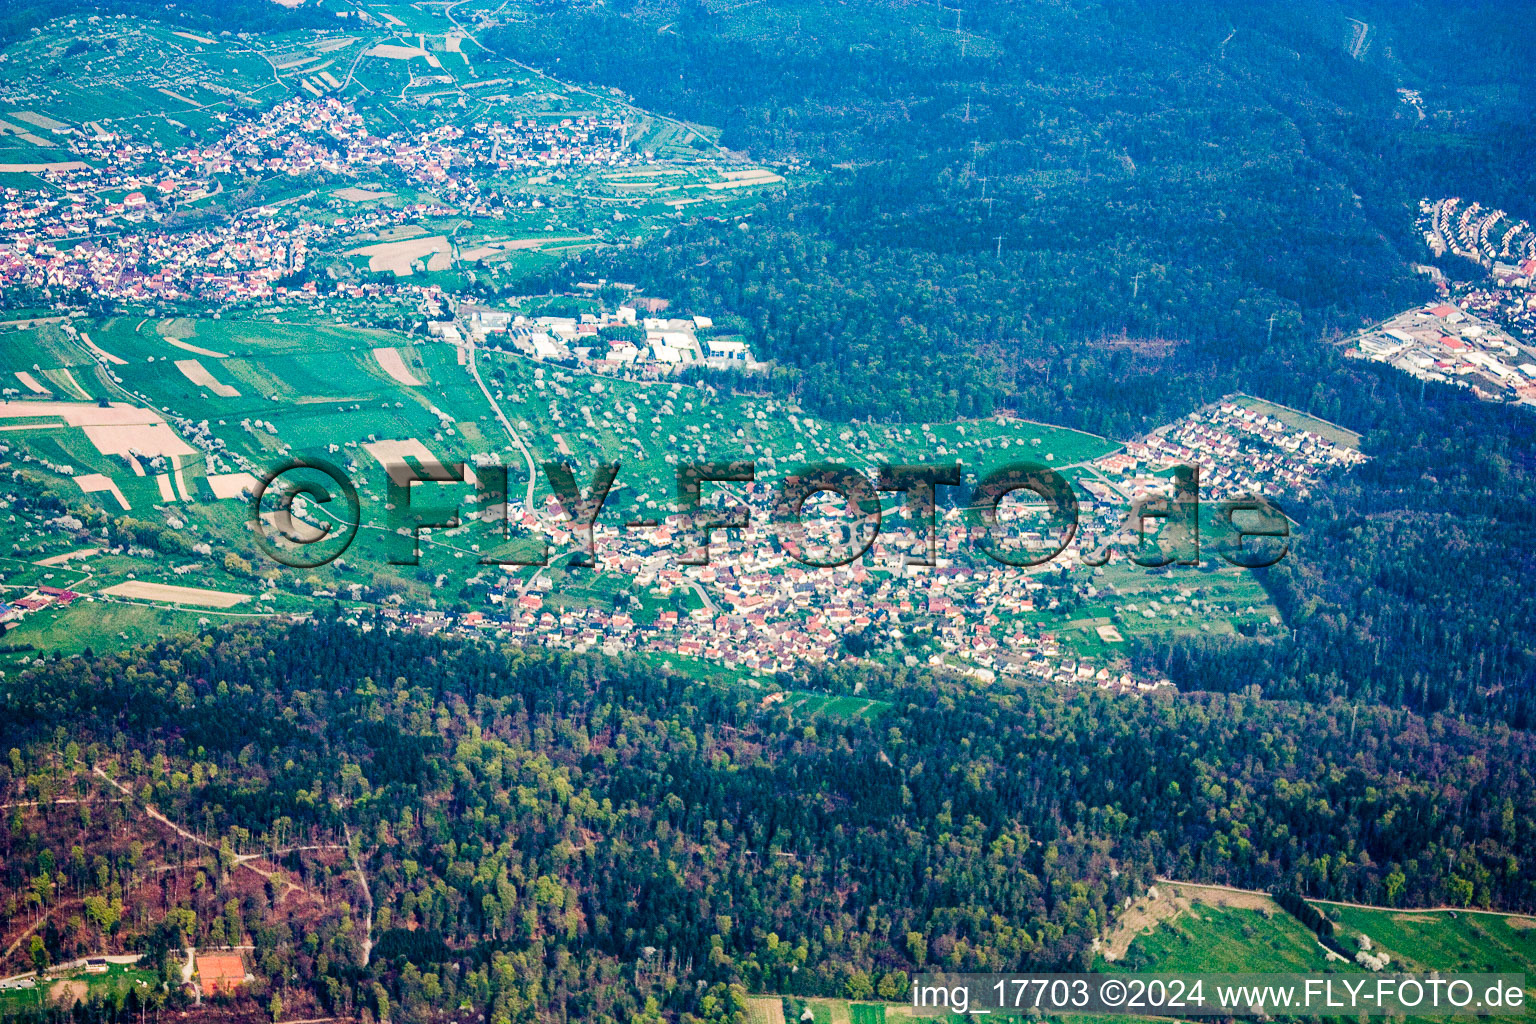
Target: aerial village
(114,230)
(757,608)
(110,229)
(753,607)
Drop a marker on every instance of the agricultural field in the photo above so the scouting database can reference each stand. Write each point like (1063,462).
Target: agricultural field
(801,706)
(781,1009)
(586,419)
(138,79)
(102,625)
(1194,929)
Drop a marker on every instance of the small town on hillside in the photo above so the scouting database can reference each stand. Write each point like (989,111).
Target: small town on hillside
(1494,274)
(107,231)
(118,222)
(756,608)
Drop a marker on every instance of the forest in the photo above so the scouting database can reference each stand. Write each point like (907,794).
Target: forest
(1090,210)
(556,836)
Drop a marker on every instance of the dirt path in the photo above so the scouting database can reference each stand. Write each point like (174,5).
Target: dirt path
(53,803)
(367,894)
(241,860)
(1345,903)
(22,938)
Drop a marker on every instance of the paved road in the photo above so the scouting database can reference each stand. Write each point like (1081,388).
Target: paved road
(474,371)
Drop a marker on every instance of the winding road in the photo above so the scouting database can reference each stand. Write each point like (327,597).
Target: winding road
(474,371)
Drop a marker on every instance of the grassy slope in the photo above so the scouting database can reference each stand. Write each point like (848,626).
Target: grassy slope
(1459,940)
(1230,940)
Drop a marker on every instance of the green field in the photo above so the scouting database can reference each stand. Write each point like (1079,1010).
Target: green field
(1256,936)
(115,983)
(1209,937)
(318,384)
(172,78)
(1460,940)
(100,626)
(1230,940)
(17,573)
(866,1013)
(802,706)
(794,1009)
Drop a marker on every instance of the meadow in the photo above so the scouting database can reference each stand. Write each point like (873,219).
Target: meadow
(64,990)
(1459,940)
(1184,927)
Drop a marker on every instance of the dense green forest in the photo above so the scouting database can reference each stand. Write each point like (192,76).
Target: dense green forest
(581,835)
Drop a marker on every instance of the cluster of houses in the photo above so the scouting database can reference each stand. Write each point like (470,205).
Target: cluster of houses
(1446,344)
(1513,309)
(1240,451)
(105,226)
(759,611)
(302,135)
(755,607)
(1503,251)
(1490,237)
